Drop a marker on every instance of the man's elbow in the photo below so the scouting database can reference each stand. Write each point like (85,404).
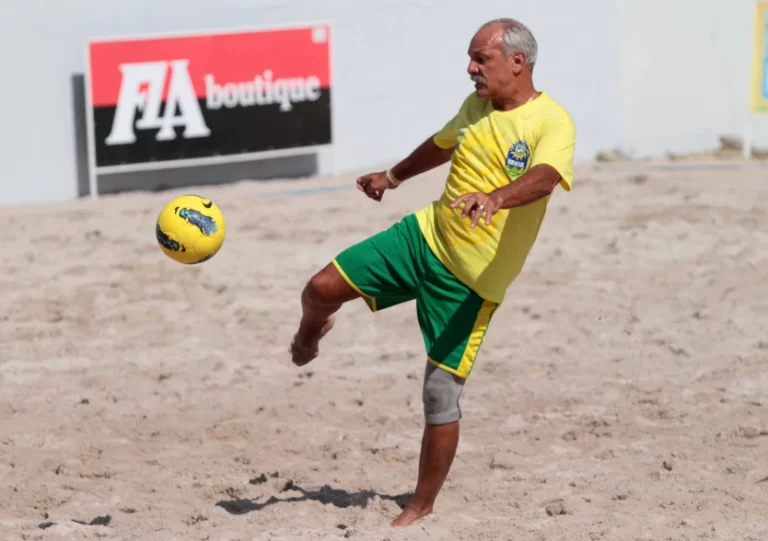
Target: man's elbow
(550,178)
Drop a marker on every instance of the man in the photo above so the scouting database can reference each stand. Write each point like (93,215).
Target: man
(509,147)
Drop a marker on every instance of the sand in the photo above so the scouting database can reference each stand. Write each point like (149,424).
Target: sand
(621,393)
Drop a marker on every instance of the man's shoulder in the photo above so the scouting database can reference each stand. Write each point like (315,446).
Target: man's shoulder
(554,112)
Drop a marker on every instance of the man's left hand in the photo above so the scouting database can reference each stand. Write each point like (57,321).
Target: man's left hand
(477,205)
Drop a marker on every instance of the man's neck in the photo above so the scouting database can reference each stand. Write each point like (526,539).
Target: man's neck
(516,98)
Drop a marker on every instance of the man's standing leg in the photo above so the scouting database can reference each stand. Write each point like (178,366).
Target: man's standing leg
(439,441)
(453,320)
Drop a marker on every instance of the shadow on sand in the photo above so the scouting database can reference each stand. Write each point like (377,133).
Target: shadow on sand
(325,495)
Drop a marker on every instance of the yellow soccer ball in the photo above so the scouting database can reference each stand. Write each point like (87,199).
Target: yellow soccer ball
(190,229)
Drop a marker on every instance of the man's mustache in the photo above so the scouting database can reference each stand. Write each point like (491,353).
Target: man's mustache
(478,79)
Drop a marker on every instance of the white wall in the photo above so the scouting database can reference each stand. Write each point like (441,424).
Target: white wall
(399,71)
(686,72)
(652,81)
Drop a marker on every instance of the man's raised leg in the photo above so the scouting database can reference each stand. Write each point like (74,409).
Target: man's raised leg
(323,295)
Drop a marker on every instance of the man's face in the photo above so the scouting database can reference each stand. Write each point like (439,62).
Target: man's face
(490,71)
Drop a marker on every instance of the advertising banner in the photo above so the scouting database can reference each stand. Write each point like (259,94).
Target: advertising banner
(167,101)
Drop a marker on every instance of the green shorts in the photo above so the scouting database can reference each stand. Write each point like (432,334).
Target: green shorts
(396,266)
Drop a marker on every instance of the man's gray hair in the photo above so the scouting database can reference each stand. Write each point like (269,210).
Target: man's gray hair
(517,38)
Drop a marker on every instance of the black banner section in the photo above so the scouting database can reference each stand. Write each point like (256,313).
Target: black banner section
(230,131)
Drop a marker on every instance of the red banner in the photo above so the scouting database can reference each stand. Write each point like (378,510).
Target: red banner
(229,58)
(191,96)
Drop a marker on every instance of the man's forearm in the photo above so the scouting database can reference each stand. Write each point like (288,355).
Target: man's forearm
(425,157)
(538,182)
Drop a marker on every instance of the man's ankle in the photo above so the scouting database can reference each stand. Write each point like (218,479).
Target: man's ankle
(420,506)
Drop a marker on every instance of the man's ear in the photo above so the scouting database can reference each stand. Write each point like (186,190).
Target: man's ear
(518,62)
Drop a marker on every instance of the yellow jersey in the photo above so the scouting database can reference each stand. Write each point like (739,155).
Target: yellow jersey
(491,149)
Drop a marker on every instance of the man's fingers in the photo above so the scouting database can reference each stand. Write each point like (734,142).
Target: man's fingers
(483,210)
(488,217)
(476,216)
(365,187)
(364,184)
(459,200)
(469,208)
(474,208)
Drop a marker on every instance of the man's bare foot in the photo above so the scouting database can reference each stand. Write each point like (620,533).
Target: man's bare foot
(410,515)
(305,351)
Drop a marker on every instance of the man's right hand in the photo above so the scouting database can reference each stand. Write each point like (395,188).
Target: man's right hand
(425,157)
(374,184)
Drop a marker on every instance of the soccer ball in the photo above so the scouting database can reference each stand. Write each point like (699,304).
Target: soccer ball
(190,229)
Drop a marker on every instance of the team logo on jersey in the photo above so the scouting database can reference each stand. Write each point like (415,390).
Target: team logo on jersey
(517,159)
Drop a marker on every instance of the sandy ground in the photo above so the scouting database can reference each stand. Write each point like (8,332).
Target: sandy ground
(621,394)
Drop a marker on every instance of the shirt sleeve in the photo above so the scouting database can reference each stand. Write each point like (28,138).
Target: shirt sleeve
(448,136)
(556,147)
